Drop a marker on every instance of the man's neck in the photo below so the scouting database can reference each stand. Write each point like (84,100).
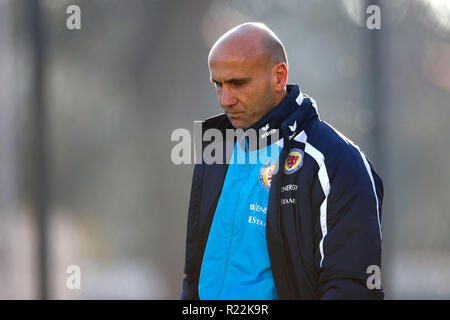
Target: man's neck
(280,97)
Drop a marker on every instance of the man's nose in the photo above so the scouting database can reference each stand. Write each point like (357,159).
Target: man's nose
(227,98)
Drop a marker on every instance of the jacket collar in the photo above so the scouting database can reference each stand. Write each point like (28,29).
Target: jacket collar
(305,110)
(274,118)
(288,117)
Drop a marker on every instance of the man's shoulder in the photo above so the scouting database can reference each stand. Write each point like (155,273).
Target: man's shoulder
(326,139)
(327,144)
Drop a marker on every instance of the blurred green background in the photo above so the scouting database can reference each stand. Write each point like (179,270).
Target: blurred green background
(86,118)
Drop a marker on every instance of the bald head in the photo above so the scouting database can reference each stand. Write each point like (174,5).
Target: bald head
(250,40)
(248,67)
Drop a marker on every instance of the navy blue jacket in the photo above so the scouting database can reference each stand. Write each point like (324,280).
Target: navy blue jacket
(323,221)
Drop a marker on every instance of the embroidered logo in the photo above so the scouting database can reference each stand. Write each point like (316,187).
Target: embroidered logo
(265,174)
(267,132)
(289,187)
(294,126)
(287,201)
(294,161)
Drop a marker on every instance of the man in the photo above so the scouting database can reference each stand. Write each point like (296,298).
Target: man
(303,224)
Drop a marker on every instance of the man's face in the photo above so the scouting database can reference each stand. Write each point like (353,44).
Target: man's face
(243,86)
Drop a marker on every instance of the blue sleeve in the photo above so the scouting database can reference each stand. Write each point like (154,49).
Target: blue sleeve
(352,241)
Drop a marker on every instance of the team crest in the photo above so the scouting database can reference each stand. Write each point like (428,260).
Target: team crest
(294,161)
(265,174)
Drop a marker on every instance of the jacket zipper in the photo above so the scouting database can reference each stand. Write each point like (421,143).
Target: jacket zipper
(227,260)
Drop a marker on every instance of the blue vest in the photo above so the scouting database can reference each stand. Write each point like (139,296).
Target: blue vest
(236,262)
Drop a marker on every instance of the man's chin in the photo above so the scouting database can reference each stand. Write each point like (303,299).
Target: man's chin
(237,123)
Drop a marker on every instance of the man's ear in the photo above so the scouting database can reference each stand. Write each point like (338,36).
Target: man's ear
(280,75)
